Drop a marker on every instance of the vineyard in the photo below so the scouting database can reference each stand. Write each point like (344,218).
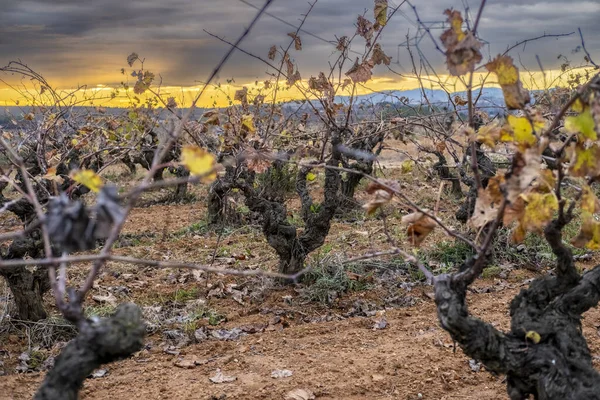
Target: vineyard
(330,247)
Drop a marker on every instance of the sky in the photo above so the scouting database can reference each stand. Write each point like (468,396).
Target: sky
(85,42)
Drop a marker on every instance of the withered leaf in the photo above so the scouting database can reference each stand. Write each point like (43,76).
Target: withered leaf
(297,41)
(342,43)
(241,95)
(360,73)
(133,57)
(272,52)
(381,198)
(380,13)
(486,209)
(585,161)
(293,78)
(526,169)
(462,48)
(515,95)
(379,56)
(419,226)
(364,28)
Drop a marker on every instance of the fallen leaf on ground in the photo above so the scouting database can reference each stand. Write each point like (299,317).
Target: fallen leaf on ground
(300,394)
(377,377)
(185,363)
(381,324)
(109,299)
(99,373)
(281,373)
(220,378)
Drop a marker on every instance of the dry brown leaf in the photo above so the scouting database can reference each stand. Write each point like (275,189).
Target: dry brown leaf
(342,43)
(381,198)
(241,95)
(383,184)
(364,28)
(295,77)
(462,48)
(527,168)
(419,226)
(360,73)
(486,210)
(272,52)
(257,162)
(379,56)
(220,378)
(300,394)
(514,211)
(297,41)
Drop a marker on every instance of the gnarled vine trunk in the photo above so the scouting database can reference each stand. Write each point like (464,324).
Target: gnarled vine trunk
(292,247)
(26,285)
(559,366)
(98,342)
(28,289)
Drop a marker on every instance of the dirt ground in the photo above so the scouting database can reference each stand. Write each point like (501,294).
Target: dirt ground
(412,358)
(390,352)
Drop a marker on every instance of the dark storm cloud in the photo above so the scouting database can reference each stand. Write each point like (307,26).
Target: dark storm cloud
(87,41)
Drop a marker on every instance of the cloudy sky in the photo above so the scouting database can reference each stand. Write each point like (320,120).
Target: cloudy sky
(74,42)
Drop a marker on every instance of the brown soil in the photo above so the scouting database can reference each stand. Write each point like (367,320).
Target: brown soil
(333,356)
(336,360)
(410,359)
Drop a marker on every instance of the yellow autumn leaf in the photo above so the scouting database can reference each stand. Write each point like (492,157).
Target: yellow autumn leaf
(589,201)
(533,336)
(515,96)
(586,161)
(311,177)
(522,131)
(248,123)
(489,135)
(578,106)
(380,11)
(456,22)
(546,182)
(88,178)
(582,123)
(407,166)
(539,211)
(198,161)
(589,234)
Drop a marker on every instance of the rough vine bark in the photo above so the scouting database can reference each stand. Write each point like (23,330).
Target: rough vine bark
(217,197)
(441,167)
(98,342)
(487,169)
(560,365)
(364,153)
(26,285)
(293,247)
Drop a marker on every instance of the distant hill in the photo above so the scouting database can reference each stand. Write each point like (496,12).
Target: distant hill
(491,100)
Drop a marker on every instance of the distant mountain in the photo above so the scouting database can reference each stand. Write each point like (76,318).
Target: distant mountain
(491,100)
